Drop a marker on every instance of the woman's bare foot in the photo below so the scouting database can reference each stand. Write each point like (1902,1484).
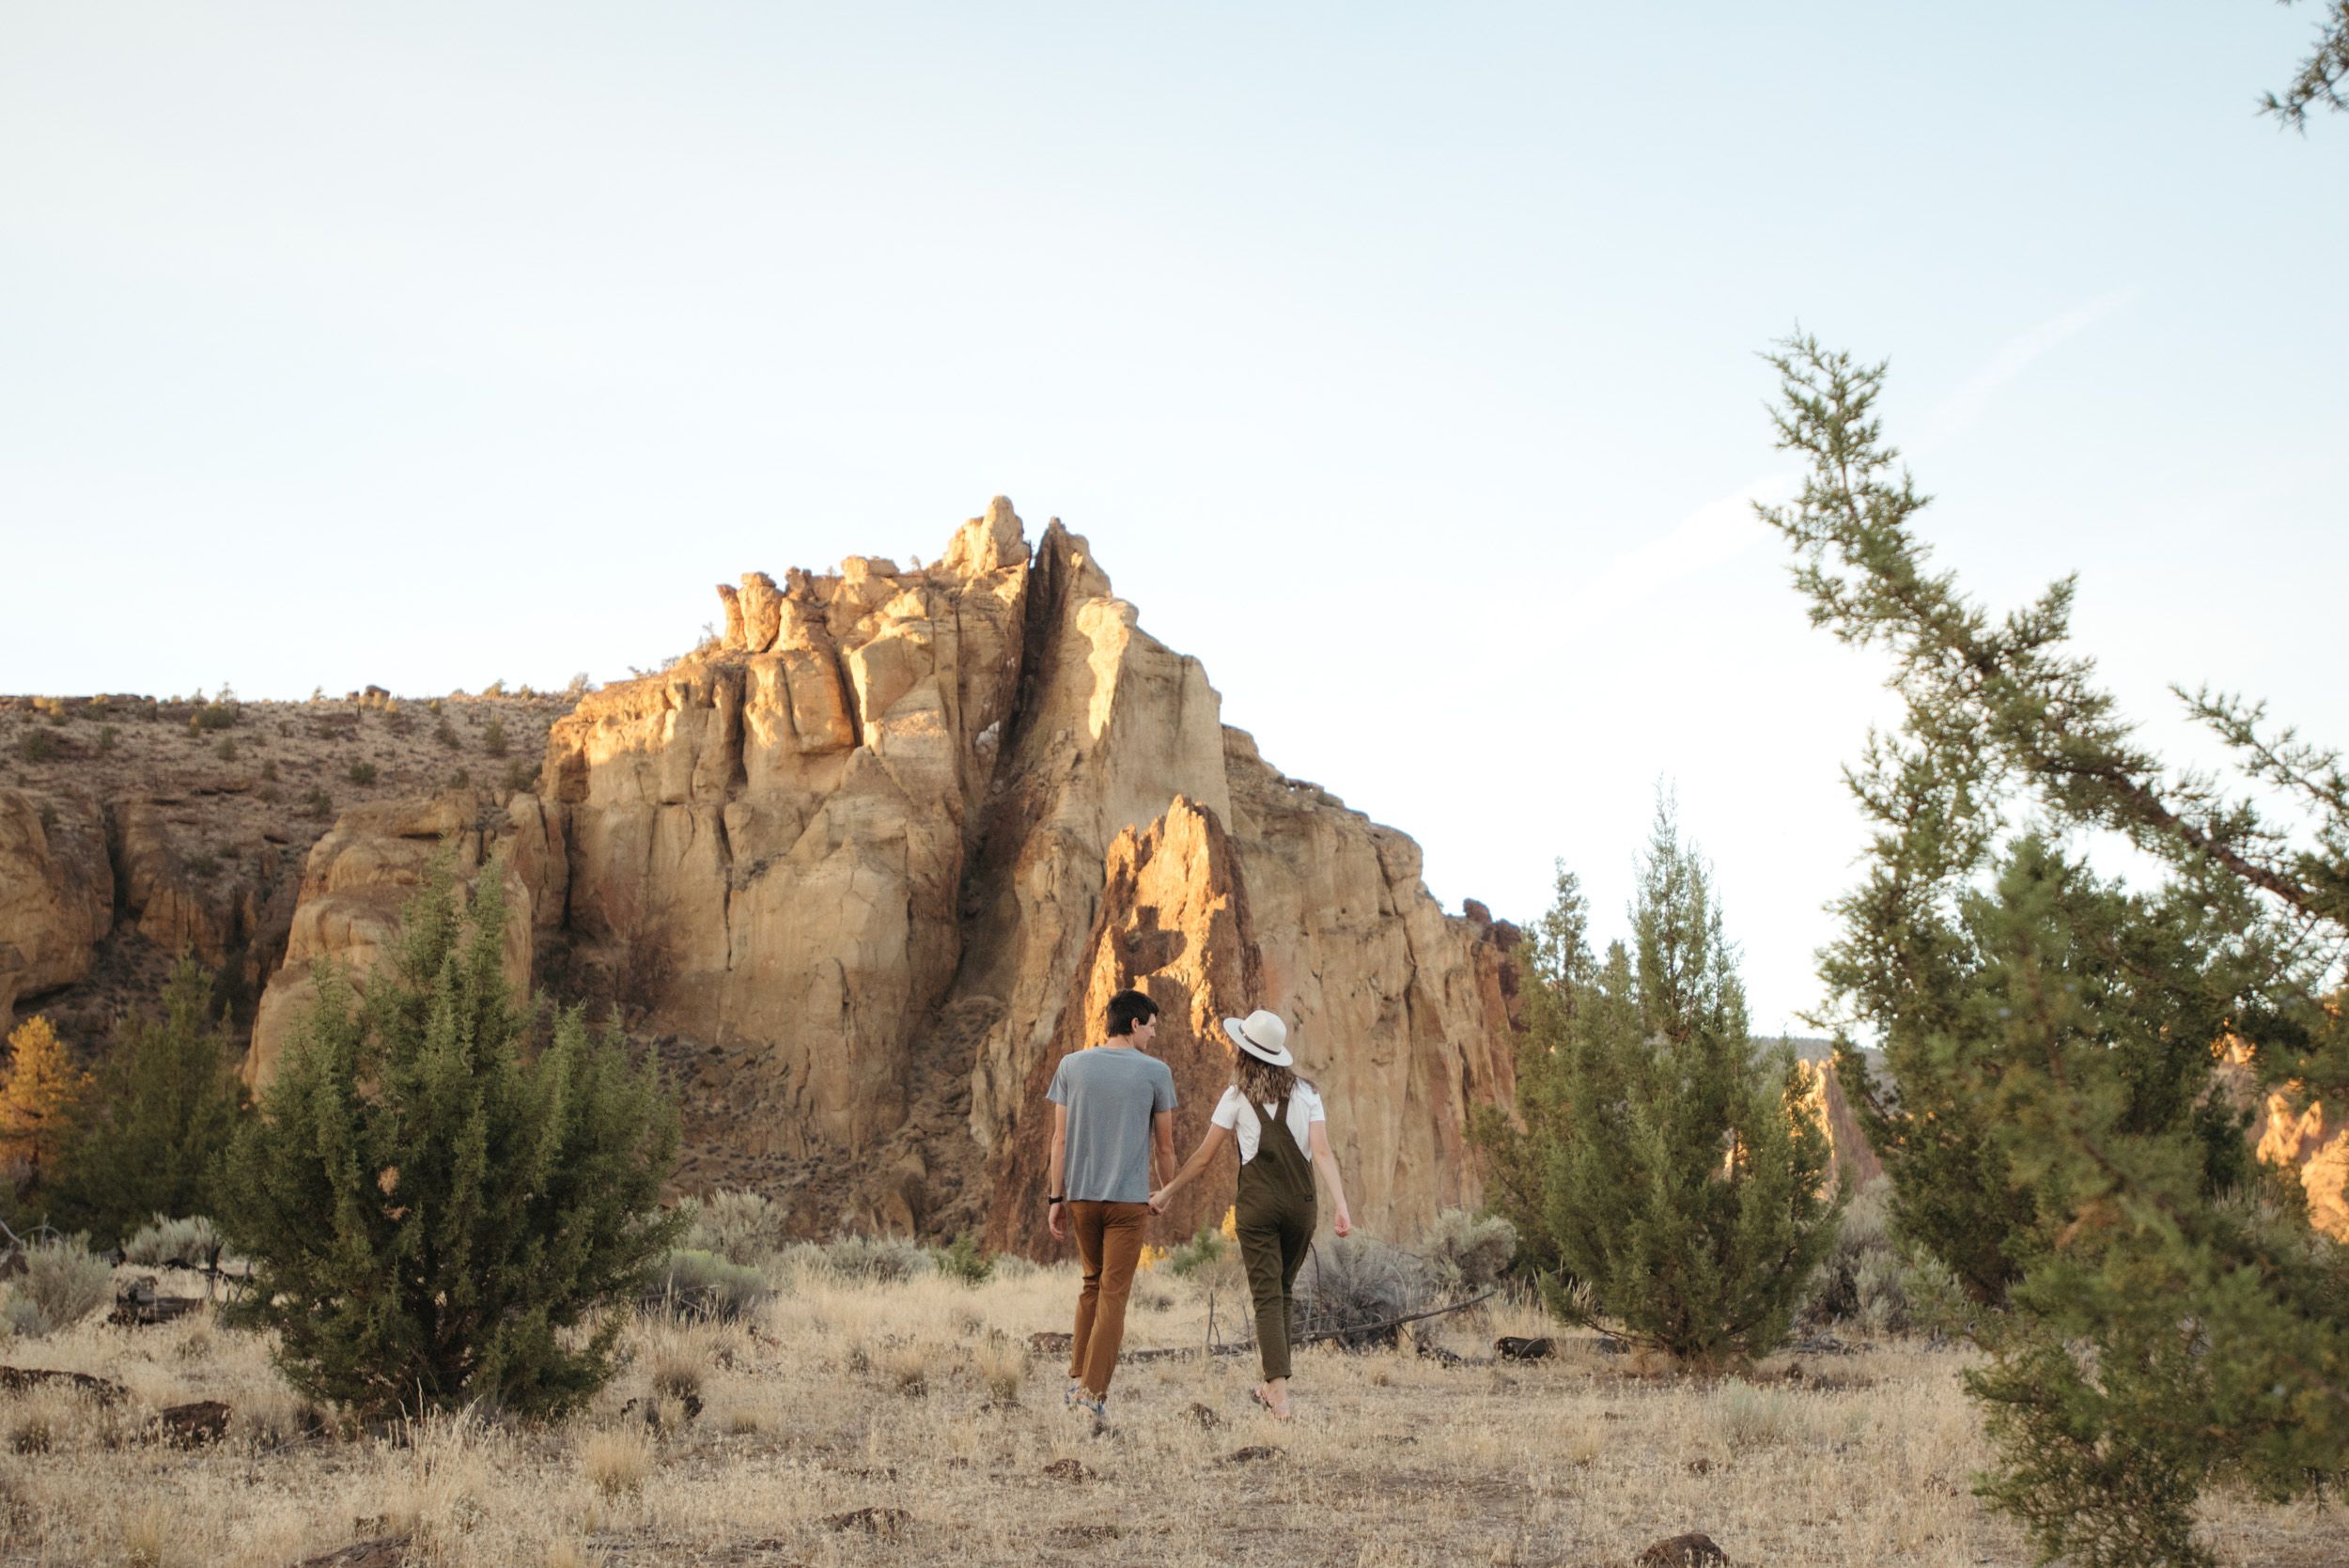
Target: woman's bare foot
(1274,1397)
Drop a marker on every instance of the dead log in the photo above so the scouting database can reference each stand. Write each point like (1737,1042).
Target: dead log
(19,1380)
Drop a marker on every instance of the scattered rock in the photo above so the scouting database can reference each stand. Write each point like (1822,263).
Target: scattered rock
(189,1426)
(1086,1533)
(1049,1343)
(1701,1464)
(1068,1469)
(1511,1348)
(1428,1350)
(17,1380)
(874,1521)
(1692,1550)
(386,1551)
(137,1304)
(1208,1420)
(1255,1453)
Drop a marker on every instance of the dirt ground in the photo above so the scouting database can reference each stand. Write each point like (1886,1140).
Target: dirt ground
(852,1423)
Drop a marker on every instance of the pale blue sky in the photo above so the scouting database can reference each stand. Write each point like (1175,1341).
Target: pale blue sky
(1398,361)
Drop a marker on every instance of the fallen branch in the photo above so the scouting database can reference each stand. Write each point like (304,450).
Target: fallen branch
(1351,1332)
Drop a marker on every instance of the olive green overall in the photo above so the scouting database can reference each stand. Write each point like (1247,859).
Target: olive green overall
(1275,1225)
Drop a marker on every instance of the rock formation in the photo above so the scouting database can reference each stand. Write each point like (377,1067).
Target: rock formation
(371,862)
(867,858)
(2302,1139)
(1848,1151)
(56,891)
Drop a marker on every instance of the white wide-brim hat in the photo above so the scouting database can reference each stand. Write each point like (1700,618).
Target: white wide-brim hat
(1262,1035)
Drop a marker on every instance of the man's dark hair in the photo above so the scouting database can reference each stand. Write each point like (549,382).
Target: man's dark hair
(1128,1008)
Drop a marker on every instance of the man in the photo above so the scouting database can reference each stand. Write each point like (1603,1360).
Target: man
(1112,1141)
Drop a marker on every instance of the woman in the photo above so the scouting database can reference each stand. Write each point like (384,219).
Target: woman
(1277,1118)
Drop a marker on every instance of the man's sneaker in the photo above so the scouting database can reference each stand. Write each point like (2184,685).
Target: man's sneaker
(1072,1393)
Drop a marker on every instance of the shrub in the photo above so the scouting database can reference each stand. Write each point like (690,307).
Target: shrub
(167,1107)
(1196,1253)
(461,779)
(520,776)
(361,773)
(22,1316)
(435,1217)
(203,863)
(1467,1253)
(37,746)
(1355,1288)
(495,689)
(269,770)
(227,750)
(1871,1284)
(1001,1363)
(63,1282)
(493,738)
(444,733)
(692,1283)
(1666,1168)
(107,737)
(615,1463)
(162,1241)
(883,1260)
(317,802)
(213,716)
(741,1227)
(965,1261)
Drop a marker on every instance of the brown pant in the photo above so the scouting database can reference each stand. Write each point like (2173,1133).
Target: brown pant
(1109,1244)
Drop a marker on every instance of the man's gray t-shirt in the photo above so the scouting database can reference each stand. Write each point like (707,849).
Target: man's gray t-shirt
(1111,1093)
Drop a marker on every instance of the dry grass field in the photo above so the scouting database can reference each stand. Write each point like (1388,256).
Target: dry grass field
(854,1423)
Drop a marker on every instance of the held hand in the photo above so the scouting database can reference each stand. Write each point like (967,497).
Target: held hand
(1056,1220)
(1159,1199)
(1343,1224)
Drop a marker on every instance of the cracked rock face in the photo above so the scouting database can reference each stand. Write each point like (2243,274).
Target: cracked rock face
(56,891)
(359,876)
(873,858)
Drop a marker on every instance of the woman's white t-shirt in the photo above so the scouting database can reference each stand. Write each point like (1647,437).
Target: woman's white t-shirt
(1246,1121)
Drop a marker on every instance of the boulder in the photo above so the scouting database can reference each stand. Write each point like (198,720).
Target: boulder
(192,1425)
(56,891)
(1693,1550)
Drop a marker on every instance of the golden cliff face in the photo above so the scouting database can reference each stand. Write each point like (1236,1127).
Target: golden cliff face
(874,856)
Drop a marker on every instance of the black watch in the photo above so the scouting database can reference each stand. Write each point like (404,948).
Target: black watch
(1049,1202)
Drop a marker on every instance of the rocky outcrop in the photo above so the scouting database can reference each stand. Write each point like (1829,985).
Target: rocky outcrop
(56,891)
(182,905)
(869,855)
(1173,924)
(1849,1153)
(369,864)
(2299,1138)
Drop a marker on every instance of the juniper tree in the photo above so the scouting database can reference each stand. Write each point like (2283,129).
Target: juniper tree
(1673,1174)
(436,1214)
(2163,1315)
(37,1095)
(164,1107)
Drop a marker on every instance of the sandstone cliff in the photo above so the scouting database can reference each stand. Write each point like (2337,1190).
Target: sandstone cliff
(873,858)
(359,875)
(56,891)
